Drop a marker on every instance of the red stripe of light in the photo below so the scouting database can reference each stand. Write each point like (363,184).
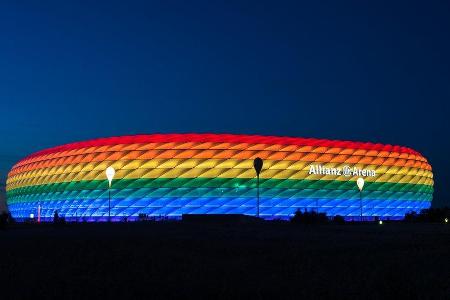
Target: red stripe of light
(223,138)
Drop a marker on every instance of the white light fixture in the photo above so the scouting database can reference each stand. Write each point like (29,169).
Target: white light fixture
(110,172)
(360,183)
(380,222)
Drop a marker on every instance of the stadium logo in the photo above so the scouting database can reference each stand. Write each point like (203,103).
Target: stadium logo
(344,171)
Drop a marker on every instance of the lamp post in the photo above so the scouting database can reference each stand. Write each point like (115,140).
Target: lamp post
(110,172)
(257,164)
(360,184)
(39,213)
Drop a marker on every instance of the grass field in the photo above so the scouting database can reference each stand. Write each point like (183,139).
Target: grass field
(238,261)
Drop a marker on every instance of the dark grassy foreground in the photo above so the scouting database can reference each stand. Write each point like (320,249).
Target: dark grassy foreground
(172,260)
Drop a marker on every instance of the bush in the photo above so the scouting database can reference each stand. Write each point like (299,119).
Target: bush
(411,217)
(57,220)
(309,217)
(338,219)
(431,215)
(142,217)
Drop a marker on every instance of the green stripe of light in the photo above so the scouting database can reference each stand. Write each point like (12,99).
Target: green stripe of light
(231,187)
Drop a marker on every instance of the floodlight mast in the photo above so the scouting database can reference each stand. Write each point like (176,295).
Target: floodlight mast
(360,184)
(110,172)
(257,164)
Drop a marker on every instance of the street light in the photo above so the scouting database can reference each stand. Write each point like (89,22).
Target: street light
(257,164)
(110,172)
(360,184)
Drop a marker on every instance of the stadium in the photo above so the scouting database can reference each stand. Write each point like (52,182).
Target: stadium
(168,175)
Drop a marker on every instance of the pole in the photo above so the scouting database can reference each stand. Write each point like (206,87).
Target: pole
(257,164)
(257,192)
(109,175)
(360,203)
(109,204)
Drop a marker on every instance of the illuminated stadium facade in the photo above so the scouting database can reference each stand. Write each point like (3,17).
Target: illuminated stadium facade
(167,175)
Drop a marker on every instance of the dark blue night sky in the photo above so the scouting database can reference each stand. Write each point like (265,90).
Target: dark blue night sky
(375,72)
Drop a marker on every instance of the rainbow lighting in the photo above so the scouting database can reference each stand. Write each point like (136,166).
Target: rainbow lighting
(167,175)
